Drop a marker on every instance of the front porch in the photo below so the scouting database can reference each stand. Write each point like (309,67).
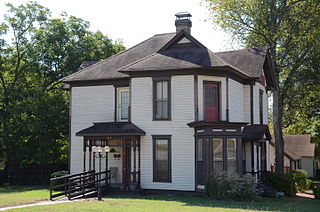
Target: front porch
(122,162)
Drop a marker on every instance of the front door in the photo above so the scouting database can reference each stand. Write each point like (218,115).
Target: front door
(211,101)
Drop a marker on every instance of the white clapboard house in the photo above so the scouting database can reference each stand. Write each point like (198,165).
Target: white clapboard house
(172,112)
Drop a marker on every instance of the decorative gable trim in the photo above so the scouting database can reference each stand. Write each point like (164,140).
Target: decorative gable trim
(180,36)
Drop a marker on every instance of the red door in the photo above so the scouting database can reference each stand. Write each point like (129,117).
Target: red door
(211,101)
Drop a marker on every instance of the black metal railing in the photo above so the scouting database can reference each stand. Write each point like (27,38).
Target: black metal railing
(78,185)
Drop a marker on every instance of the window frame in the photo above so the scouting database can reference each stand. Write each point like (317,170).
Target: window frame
(261,106)
(154,140)
(155,81)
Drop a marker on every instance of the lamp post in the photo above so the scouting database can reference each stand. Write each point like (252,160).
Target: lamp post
(100,150)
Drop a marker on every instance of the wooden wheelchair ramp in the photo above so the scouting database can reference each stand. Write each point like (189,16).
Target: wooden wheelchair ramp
(80,185)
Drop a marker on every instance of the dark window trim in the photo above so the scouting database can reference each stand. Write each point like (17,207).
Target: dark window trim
(163,137)
(154,82)
(219,98)
(261,106)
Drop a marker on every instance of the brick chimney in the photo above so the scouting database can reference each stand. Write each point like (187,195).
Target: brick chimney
(183,22)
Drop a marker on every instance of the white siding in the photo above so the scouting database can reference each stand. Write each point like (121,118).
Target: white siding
(236,102)
(222,93)
(182,136)
(89,104)
(246,103)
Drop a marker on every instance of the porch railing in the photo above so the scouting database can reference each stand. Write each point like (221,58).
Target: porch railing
(78,185)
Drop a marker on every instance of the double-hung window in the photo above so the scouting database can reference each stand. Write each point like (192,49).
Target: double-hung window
(162,158)
(161,99)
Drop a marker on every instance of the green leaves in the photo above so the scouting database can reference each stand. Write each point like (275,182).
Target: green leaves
(36,51)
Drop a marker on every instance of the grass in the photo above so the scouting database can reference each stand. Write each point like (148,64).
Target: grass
(164,203)
(17,195)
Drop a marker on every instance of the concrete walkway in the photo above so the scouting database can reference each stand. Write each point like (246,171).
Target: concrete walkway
(38,203)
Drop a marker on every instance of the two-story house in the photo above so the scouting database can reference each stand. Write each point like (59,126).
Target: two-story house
(172,112)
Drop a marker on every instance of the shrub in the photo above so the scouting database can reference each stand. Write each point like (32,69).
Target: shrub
(316,190)
(230,186)
(58,182)
(284,183)
(300,179)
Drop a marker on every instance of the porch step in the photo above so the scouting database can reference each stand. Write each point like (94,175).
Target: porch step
(268,190)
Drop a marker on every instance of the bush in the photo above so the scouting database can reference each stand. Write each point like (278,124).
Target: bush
(284,183)
(230,186)
(58,182)
(316,190)
(300,179)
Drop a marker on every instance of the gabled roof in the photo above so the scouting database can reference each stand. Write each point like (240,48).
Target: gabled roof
(176,52)
(291,155)
(108,68)
(111,129)
(300,144)
(256,132)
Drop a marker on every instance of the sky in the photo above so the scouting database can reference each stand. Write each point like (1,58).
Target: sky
(134,21)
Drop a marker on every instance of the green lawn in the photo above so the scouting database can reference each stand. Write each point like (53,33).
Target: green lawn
(165,203)
(15,195)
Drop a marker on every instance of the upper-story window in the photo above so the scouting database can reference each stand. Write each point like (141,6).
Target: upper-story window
(161,99)
(211,101)
(261,106)
(123,104)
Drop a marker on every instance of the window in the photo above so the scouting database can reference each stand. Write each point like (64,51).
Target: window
(217,154)
(123,104)
(261,106)
(232,154)
(200,150)
(210,96)
(161,158)
(161,99)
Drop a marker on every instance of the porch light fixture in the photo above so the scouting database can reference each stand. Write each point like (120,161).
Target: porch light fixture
(100,150)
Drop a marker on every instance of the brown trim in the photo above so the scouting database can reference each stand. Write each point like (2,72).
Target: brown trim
(69,131)
(251,104)
(219,98)
(154,91)
(124,82)
(261,106)
(227,98)
(168,138)
(115,103)
(130,99)
(84,154)
(223,71)
(196,103)
(216,124)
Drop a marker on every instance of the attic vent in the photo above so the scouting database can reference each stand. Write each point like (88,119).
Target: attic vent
(184,41)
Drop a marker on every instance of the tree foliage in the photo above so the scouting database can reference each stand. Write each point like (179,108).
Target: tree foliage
(35,51)
(291,28)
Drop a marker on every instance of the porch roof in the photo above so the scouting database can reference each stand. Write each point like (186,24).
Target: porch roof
(256,132)
(112,129)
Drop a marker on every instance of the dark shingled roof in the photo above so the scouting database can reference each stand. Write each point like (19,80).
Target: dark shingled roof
(256,132)
(108,68)
(111,129)
(288,153)
(164,52)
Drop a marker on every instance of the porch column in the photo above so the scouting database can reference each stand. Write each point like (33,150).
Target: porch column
(134,161)
(84,154)
(139,162)
(107,173)
(90,155)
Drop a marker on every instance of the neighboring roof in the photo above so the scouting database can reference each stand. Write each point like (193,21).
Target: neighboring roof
(291,155)
(176,52)
(111,129)
(299,144)
(108,68)
(256,132)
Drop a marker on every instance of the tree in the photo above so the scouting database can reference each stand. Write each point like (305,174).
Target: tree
(290,28)
(33,108)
